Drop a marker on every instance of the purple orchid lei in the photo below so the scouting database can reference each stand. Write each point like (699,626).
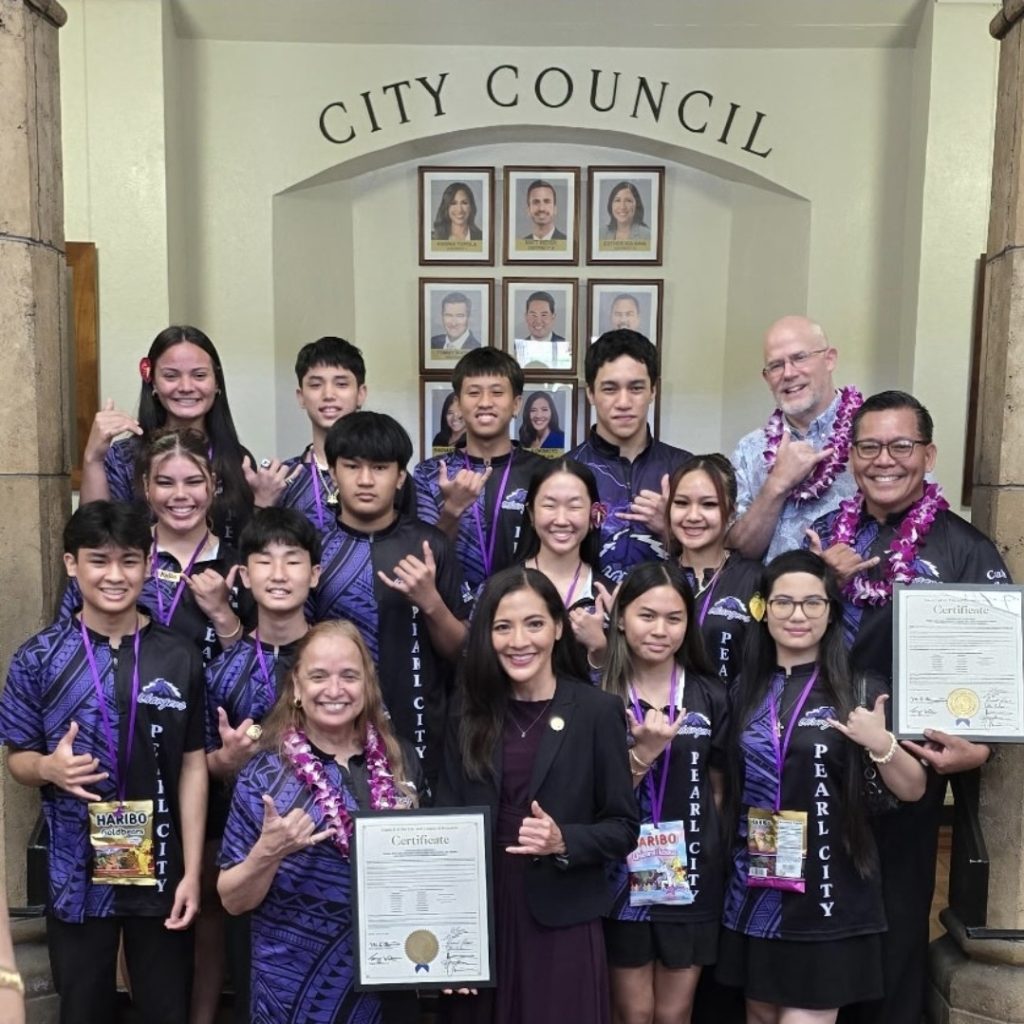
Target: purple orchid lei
(310,772)
(902,551)
(825,473)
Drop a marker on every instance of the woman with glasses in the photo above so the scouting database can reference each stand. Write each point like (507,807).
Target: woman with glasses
(701,508)
(803,908)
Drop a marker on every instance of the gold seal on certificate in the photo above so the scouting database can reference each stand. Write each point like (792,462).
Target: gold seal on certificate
(963,703)
(422,947)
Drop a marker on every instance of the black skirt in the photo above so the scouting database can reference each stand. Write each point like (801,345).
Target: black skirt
(812,975)
(672,944)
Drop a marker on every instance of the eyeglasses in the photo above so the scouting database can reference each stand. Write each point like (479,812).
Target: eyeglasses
(812,607)
(798,361)
(900,449)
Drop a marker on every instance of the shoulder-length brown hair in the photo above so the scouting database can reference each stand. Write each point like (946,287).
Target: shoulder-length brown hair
(285,715)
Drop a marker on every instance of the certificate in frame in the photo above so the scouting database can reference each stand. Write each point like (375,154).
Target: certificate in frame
(958,661)
(422,899)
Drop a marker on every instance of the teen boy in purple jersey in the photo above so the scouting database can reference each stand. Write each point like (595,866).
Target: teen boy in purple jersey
(475,494)
(396,578)
(632,468)
(106,708)
(331,377)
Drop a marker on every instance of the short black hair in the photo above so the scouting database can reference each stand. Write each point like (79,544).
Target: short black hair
(541,297)
(375,436)
(278,526)
(454,298)
(886,401)
(623,342)
(331,351)
(488,362)
(101,524)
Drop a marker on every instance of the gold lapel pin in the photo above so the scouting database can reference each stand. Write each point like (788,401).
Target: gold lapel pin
(557,722)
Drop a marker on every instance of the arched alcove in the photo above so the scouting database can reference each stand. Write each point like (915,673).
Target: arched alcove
(736,255)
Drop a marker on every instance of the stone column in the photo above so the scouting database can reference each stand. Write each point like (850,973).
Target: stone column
(34,420)
(979,977)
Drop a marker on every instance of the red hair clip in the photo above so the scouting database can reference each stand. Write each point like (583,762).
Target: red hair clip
(146,369)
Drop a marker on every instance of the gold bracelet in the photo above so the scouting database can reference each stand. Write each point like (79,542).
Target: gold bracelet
(636,760)
(231,635)
(10,978)
(889,754)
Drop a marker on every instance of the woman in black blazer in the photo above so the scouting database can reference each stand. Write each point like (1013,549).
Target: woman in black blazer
(547,753)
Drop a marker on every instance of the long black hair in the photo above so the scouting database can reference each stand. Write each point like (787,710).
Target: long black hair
(527,432)
(529,542)
(483,684)
(234,495)
(691,656)
(834,676)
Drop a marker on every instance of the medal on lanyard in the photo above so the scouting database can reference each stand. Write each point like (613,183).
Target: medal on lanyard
(487,548)
(777,839)
(711,593)
(330,497)
(120,831)
(159,574)
(659,866)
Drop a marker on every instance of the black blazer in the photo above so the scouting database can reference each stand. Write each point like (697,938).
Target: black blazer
(581,778)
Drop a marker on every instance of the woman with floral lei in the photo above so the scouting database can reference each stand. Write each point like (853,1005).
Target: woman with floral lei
(803,917)
(546,751)
(561,537)
(663,928)
(700,510)
(182,386)
(327,750)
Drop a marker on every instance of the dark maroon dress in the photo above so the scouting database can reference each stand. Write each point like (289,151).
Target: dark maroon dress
(544,975)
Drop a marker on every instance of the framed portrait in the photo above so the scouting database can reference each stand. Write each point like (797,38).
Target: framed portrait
(457,215)
(456,315)
(546,422)
(635,305)
(626,214)
(440,421)
(542,215)
(540,324)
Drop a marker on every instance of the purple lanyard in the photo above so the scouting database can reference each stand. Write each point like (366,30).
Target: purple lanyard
(572,586)
(267,678)
(711,593)
(658,799)
(165,620)
(121,773)
(487,548)
(781,750)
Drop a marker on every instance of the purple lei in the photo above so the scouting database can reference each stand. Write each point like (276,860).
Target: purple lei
(902,551)
(310,772)
(825,473)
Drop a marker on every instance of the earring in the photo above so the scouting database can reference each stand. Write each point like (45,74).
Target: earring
(297,703)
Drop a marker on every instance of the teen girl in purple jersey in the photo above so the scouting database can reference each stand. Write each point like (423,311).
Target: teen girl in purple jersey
(803,908)
(702,504)
(659,936)
(183,386)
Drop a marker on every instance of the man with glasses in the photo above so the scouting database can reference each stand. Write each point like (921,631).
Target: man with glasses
(870,542)
(794,469)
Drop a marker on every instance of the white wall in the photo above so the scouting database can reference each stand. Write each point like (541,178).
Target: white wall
(217,200)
